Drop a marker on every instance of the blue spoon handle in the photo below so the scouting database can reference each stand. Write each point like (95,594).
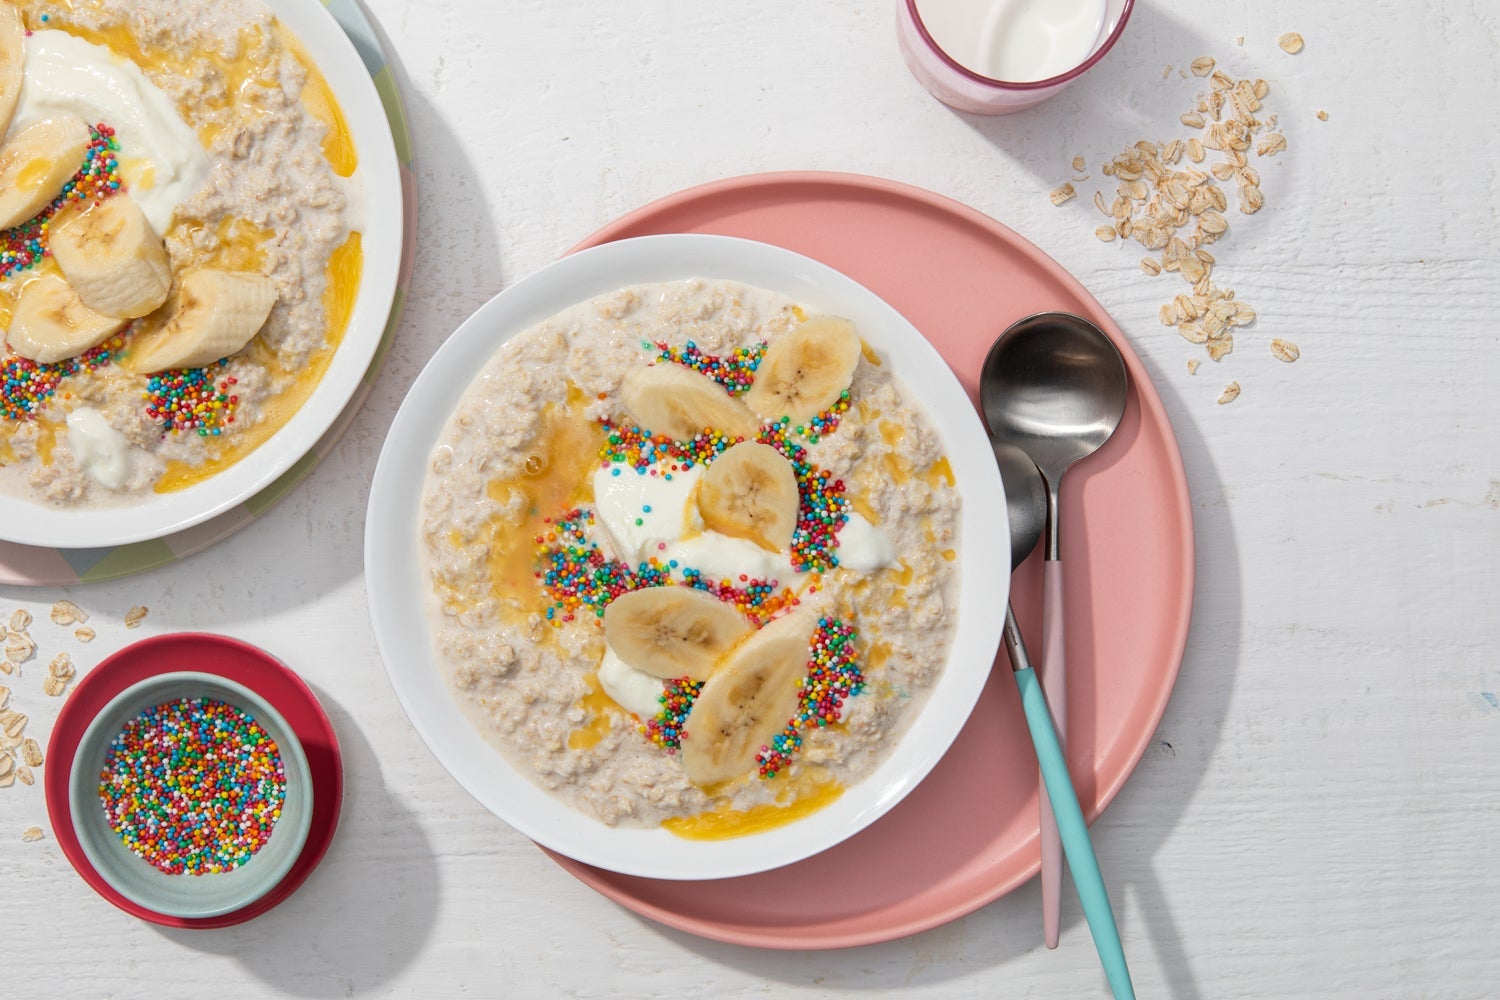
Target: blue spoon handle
(1082,863)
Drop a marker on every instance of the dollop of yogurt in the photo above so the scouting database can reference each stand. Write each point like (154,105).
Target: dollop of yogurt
(161,160)
(641,511)
(863,547)
(633,690)
(101,451)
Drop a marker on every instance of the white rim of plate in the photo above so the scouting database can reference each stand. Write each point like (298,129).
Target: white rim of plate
(397,592)
(162,514)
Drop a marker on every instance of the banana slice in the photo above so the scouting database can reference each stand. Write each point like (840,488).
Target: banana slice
(750,492)
(36,163)
(678,402)
(671,632)
(113,258)
(12,61)
(217,313)
(804,372)
(749,699)
(50,323)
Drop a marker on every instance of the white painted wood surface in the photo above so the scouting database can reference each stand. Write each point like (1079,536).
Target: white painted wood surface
(1319,815)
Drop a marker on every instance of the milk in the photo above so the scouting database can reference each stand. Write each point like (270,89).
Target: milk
(1018,41)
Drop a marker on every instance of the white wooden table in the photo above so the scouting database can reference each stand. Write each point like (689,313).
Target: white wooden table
(1318,816)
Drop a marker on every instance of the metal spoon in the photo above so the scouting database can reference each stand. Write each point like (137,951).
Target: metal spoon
(1026,506)
(1054,385)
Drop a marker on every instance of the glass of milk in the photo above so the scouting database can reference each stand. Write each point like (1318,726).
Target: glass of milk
(992,57)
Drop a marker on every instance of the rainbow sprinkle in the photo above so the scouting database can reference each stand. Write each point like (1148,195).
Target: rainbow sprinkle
(193,786)
(833,677)
(824,508)
(665,730)
(734,372)
(26,385)
(634,448)
(99,177)
(189,400)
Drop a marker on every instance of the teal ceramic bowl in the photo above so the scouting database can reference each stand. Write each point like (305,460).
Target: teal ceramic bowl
(186,895)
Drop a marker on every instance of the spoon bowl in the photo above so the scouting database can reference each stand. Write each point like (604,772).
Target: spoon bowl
(1054,385)
(1025,500)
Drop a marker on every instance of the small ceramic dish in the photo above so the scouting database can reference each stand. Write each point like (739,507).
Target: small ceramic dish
(135,878)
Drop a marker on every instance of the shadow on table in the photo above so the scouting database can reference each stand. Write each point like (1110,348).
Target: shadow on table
(363,915)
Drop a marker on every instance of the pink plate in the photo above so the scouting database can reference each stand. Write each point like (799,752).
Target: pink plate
(238,661)
(968,834)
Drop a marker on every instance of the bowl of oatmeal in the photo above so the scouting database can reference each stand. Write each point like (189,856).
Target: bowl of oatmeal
(195,269)
(684,556)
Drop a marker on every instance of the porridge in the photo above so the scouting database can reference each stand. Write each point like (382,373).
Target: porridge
(179,200)
(690,557)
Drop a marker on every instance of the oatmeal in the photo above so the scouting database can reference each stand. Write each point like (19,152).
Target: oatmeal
(691,557)
(170,303)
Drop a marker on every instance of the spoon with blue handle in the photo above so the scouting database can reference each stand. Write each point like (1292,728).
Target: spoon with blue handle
(1026,508)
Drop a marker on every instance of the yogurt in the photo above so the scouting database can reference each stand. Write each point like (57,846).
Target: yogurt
(161,160)
(98,448)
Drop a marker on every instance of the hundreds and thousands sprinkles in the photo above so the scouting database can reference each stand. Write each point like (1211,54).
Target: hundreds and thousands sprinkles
(193,786)
(833,675)
(25,385)
(734,372)
(188,400)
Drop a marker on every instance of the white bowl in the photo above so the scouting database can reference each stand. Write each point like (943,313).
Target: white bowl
(397,589)
(164,513)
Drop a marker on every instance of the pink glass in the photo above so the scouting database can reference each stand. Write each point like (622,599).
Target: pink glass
(965,90)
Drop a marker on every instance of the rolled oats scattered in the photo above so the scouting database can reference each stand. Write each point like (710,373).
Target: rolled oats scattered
(1230,394)
(1271,145)
(4,695)
(1322,115)
(1251,200)
(1203,65)
(20,620)
(1079,163)
(54,686)
(1106,234)
(1063,194)
(68,613)
(1284,350)
(61,667)
(135,616)
(1291,43)
(19,647)
(1151,267)
(84,634)
(1193,364)
(24,774)
(1192,119)
(31,752)
(13,723)
(31,835)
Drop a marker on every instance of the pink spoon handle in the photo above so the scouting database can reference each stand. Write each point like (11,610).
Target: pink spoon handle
(1054,684)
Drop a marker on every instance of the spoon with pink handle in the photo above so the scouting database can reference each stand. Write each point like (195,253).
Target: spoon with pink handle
(1054,386)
